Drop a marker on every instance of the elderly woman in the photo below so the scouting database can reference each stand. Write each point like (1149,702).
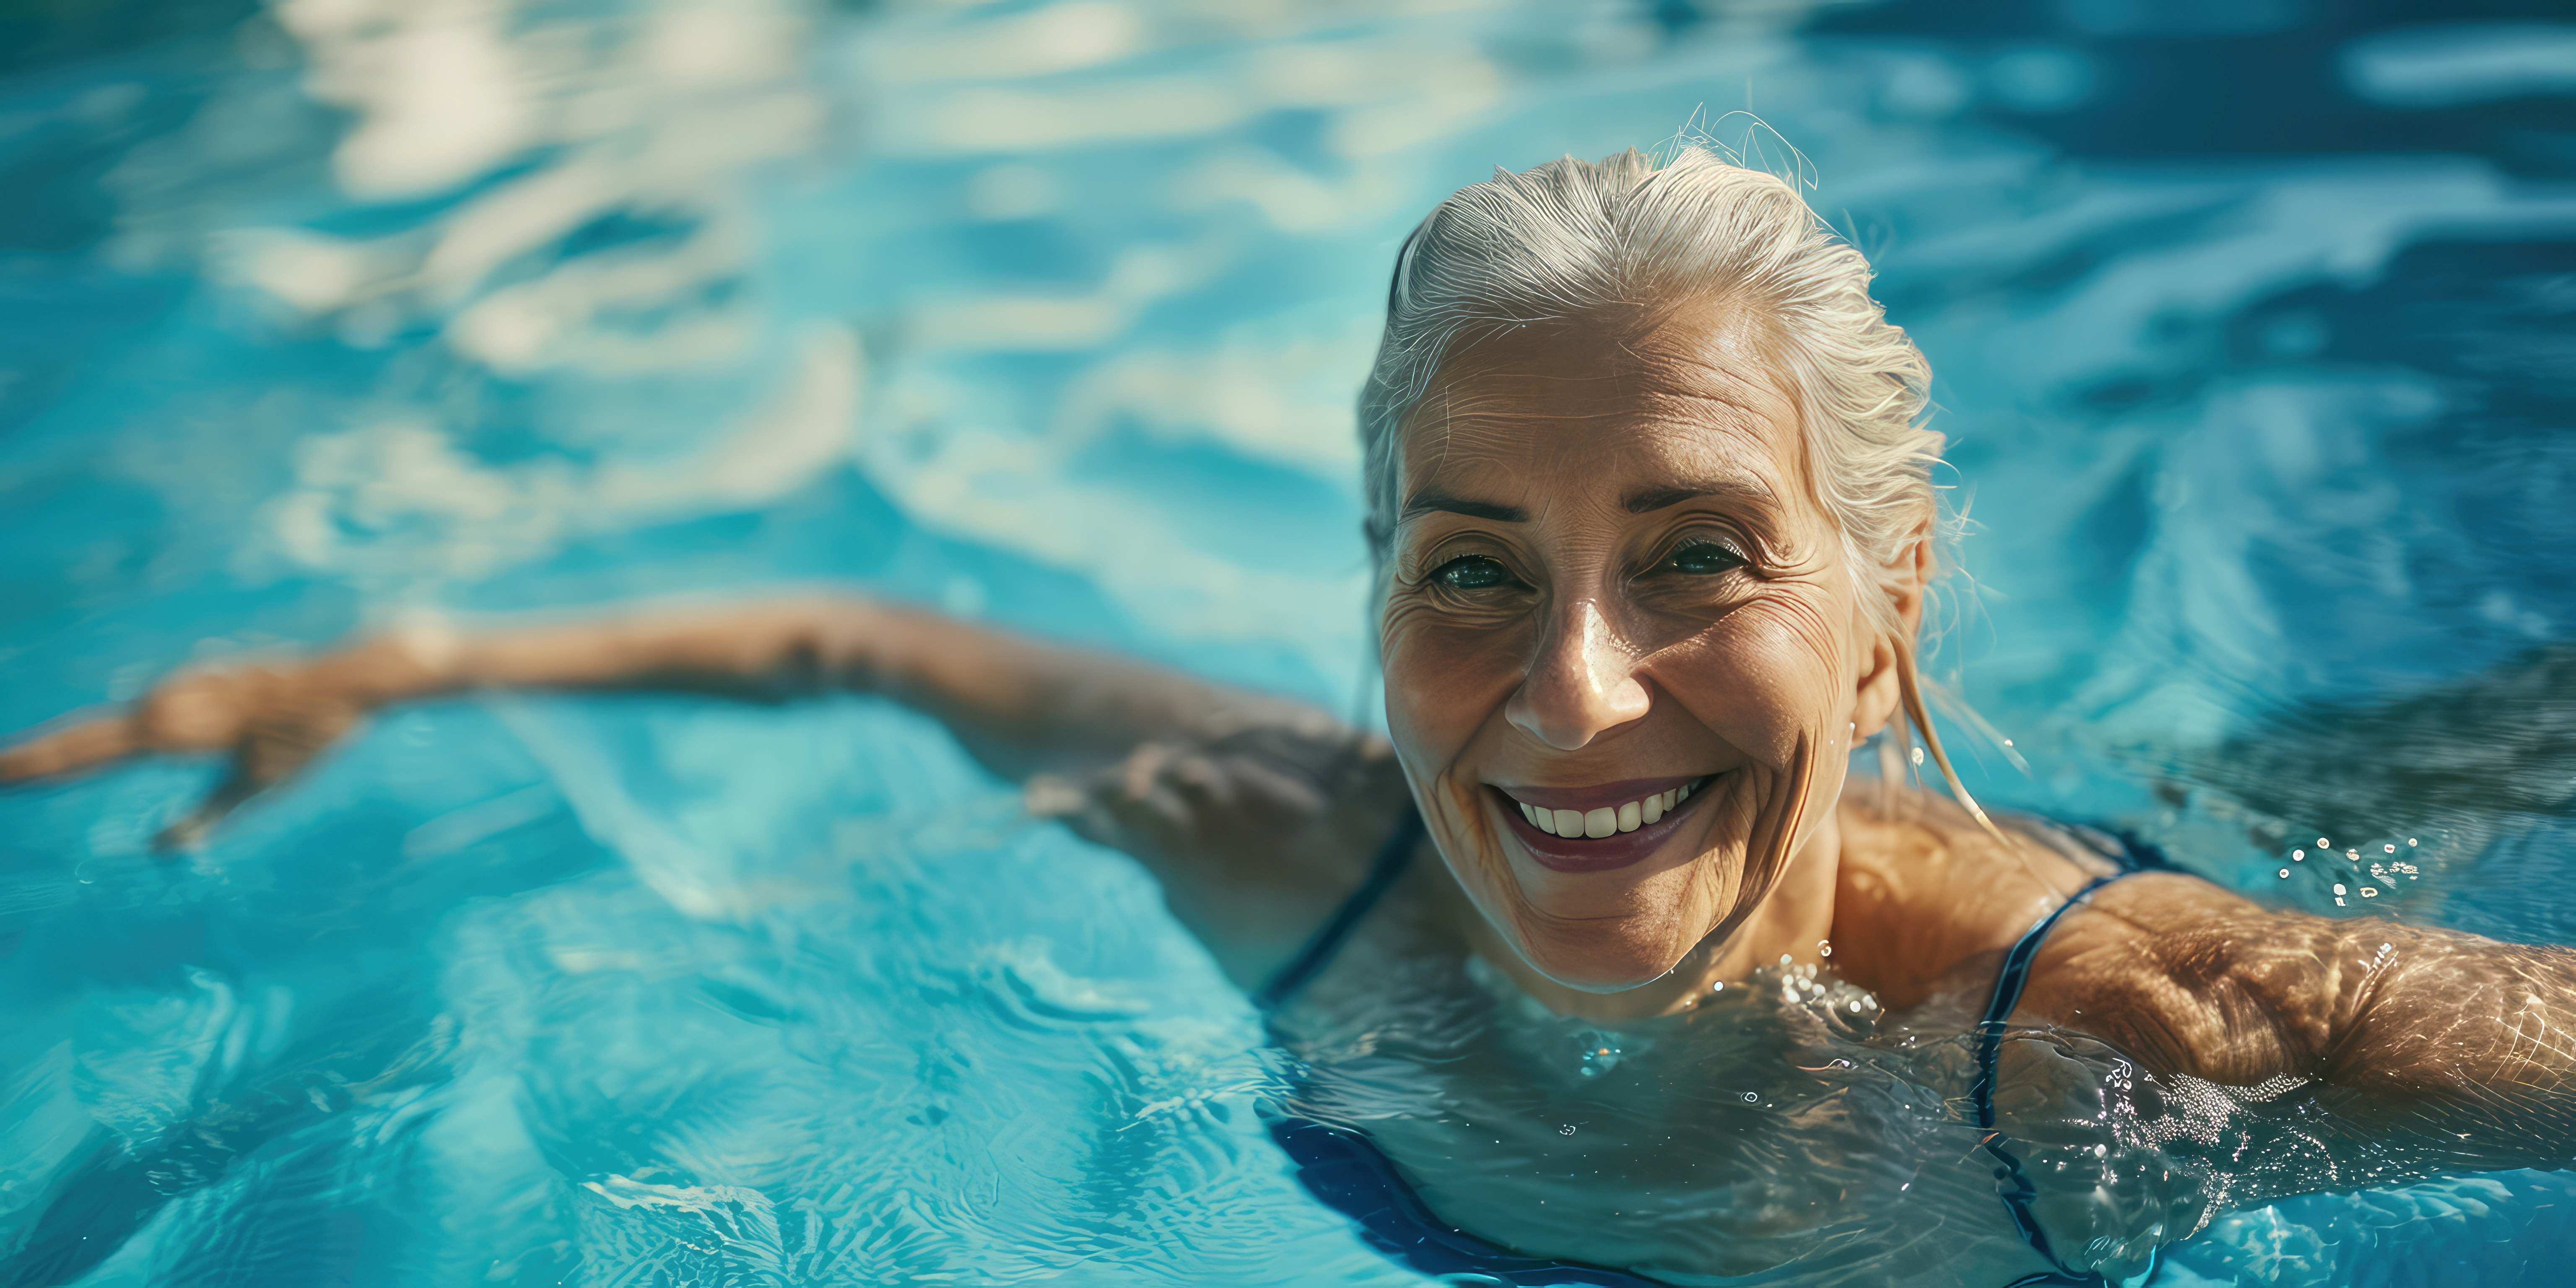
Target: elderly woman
(1649,496)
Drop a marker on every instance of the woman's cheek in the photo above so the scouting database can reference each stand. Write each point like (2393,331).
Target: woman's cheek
(1442,684)
(1760,678)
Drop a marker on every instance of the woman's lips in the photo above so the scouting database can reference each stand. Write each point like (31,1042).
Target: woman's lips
(1598,854)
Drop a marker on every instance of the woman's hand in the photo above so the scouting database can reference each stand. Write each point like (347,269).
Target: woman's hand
(269,720)
(1256,827)
(1250,798)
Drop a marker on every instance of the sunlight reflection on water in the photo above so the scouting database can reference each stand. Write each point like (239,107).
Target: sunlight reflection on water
(2252,322)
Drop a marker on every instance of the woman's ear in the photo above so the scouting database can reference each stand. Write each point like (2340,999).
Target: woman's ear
(1905,581)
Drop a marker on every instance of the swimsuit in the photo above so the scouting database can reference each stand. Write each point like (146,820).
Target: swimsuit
(1347,1172)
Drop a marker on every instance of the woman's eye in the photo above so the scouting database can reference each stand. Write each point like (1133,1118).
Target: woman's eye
(1703,559)
(1472,572)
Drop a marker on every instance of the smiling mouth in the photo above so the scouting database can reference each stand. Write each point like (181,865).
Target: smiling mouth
(1607,820)
(1596,829)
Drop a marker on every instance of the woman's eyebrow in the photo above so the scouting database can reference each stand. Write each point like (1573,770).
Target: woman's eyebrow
(1429,499)
(1743,489)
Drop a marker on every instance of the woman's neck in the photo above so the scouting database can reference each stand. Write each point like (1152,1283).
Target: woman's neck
(1792,922)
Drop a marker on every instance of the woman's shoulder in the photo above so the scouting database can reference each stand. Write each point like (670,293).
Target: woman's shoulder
(2187,976)
(2178,972)
(1928,897)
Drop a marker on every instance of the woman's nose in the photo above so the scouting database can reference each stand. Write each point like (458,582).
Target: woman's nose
(1582,684)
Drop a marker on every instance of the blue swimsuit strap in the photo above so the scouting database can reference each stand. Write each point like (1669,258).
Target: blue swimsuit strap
(2012,1181)
(1392,859)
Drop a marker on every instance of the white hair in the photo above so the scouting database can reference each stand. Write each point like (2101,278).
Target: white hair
(1574,241)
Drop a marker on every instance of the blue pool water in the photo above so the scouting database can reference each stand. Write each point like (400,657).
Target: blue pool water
(2256,331)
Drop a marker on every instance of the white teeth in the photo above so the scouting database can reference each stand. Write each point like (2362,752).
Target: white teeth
(1607,821)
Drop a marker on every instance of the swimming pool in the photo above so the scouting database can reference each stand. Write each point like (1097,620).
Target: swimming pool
(2253,323)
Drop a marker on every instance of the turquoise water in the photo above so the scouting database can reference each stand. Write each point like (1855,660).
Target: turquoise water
(2254,324)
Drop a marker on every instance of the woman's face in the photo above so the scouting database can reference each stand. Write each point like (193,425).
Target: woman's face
(1612,588)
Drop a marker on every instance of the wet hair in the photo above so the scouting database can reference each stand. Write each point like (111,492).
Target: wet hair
(1577,242)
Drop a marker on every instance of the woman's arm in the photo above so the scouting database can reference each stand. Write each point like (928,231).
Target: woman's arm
(1217,788)
(2425,1030)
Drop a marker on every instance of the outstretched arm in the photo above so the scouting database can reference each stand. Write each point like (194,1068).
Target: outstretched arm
(1217,788)
(2418,1029)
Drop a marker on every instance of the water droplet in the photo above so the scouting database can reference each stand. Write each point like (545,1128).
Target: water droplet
(1717,987)
(2008,742)
(2390,848)
(2324,844)
(2297,855)
(1784,959)
(2410,840)
(1855,1006)
(1918,755)
(2338,887)
(1824,948)
(2285,872)
(1751,1096)
(1566,1130)
(2370,892)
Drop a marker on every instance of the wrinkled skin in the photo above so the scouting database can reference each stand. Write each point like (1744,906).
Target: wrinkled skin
(1668,598)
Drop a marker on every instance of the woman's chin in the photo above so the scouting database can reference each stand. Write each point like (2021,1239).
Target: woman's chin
(1598,967)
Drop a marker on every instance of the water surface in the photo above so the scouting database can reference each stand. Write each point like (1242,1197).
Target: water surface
(2253,325)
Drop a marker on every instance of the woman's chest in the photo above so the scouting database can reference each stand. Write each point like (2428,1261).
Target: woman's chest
(1772,1134)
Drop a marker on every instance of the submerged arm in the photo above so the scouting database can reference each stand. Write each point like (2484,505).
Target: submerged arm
(2411,1029)
(2460,1036)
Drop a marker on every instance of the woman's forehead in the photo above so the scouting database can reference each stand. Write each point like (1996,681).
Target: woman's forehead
(1535,410)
